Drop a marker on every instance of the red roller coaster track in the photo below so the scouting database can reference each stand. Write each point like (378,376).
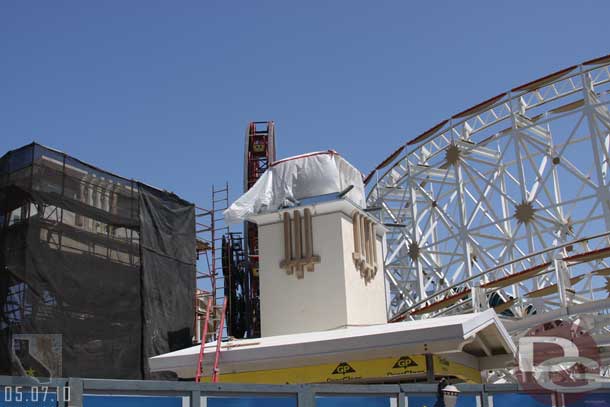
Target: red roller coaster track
(259,155)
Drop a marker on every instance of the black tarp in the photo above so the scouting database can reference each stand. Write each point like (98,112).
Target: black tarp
(105,263)
(168,264)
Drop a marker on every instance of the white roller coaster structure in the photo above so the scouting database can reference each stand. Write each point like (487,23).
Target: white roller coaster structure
(505,205)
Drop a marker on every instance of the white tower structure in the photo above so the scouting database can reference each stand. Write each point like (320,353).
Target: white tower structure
(321,268)
(321,254)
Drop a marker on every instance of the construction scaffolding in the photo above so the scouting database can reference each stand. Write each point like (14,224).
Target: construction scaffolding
(211,230)
(94,267)
(228,261)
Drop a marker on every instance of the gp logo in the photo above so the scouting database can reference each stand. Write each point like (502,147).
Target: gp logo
(558,357)
(404,362)
(343,368)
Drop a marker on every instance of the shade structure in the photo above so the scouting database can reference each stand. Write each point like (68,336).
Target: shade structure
(474,339)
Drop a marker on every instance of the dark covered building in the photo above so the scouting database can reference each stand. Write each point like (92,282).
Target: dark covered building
(97,272)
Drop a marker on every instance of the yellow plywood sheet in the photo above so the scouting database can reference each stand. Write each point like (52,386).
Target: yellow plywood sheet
(405,365)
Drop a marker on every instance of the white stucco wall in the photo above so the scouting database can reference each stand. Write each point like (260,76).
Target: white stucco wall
(365,301)
(332,296)
(314,303)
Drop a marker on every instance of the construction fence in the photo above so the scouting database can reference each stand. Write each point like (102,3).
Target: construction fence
(20,391)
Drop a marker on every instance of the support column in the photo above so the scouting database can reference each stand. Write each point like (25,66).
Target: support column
(562,274)
(430,377)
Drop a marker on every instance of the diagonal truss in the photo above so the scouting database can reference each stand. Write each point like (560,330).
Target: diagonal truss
(504,205)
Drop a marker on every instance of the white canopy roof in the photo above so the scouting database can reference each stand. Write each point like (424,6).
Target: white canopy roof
(479,335)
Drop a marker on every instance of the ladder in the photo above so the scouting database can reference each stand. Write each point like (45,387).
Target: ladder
(216,370)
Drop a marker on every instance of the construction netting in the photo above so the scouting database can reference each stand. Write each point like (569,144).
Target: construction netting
(97,271)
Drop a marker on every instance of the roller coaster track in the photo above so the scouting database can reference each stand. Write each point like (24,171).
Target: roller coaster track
(504,205)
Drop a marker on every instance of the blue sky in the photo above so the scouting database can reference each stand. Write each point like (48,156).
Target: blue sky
(161,91)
